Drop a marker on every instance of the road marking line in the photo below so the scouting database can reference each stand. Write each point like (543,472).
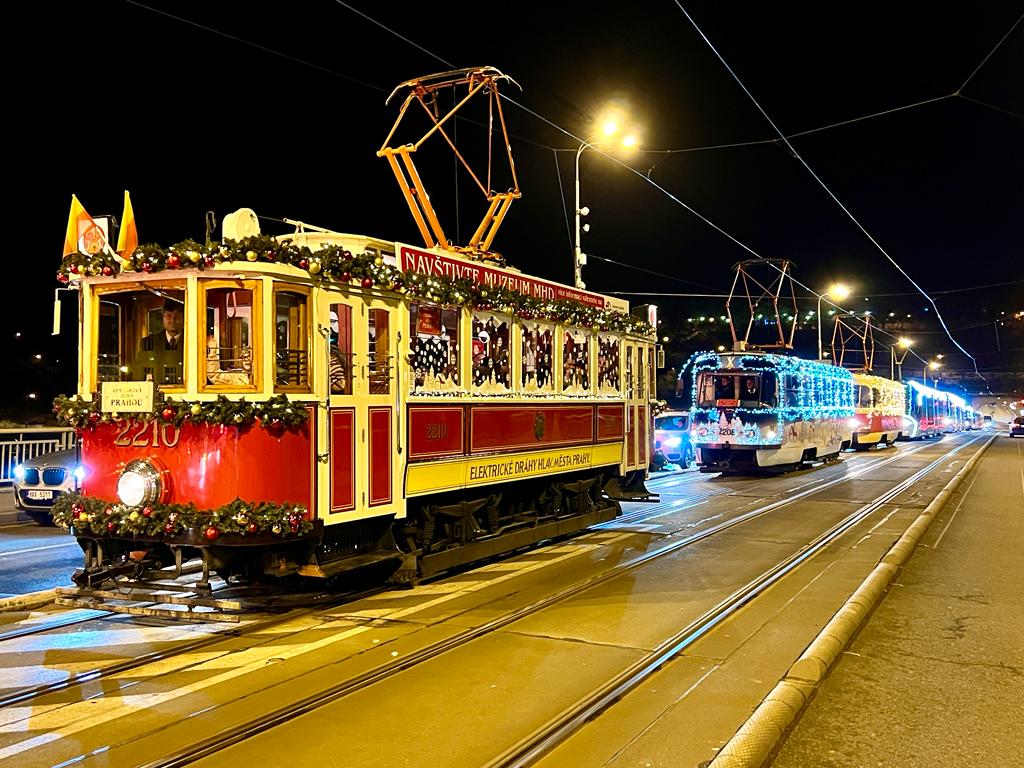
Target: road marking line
(40,549)
(951,517)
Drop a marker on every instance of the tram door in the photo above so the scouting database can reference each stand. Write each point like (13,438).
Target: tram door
(363,409)
(637,408)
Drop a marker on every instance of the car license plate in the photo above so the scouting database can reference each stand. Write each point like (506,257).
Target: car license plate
(39,494)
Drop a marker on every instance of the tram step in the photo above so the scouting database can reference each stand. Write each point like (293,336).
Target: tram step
(348,563)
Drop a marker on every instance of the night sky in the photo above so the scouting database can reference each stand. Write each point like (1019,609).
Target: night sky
(197,106)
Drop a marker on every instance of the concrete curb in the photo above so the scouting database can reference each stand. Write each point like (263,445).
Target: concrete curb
(758,737)
(27,601)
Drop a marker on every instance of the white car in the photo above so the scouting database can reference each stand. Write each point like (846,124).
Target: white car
(39,482)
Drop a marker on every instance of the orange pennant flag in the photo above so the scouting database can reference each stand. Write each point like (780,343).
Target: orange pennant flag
(79,223)
(128,237)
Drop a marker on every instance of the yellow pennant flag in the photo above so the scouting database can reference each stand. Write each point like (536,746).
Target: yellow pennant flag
(128,237)
(80,223)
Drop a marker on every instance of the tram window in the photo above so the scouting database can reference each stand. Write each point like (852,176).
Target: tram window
(607,364)
(575,361)
(340,363)
(629,373)
(492,358)
(876,397)
(651,383)
(229,335)
(141,336)
(863,396)
(538,359)
(434,347)
(291,339)
(378,352)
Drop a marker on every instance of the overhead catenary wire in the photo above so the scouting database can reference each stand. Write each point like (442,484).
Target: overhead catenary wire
(828,190)
(672,197)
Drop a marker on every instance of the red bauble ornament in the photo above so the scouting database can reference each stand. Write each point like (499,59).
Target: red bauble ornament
(270,255)
(61,277)
(345,276)
(211,533)
(303,263)
(252,528)
(111,526)
(169,528)
(147,511)
(209,261)
(74,268)
(108,511)
(77,508)
(94,417)
(167,414)
(367,283)
(108,271)
(174,261)
(76,513)
(147,267)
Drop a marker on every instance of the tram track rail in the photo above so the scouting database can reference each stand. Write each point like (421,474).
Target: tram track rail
(550,737)
(26,695)
(49,626)
(559,730)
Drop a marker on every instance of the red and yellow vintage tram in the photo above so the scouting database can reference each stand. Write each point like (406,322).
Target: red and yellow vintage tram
(282,406)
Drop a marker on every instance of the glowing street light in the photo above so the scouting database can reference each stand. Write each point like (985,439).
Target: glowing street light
(837,291)
(904,344)
(609,128)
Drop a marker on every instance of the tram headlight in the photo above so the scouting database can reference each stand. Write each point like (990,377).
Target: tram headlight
(673,442)
(139,483)
(853,423)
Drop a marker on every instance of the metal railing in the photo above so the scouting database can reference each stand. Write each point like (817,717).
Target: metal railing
(18,445)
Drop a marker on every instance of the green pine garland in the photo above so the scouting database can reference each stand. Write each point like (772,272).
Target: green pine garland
(276,413)
(337,264)
(88,514)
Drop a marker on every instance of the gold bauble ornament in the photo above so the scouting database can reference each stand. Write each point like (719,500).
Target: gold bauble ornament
(314,267)
(196,409)
(192,256)
(250,255)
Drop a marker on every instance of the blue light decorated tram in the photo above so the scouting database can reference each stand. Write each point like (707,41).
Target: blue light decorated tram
(761,411)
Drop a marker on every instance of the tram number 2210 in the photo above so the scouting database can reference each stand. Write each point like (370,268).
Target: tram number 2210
(143,433)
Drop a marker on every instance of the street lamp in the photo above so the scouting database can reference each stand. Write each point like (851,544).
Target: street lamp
(610,128)
(836,291)
(904,344)
(934,366)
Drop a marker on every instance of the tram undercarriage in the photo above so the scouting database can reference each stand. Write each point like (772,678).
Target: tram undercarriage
(440,532)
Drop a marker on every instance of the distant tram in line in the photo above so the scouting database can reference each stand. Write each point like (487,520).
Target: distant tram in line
(762,411)
(880,408)
(931,412)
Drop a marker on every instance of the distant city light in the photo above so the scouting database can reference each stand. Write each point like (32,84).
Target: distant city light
(17,334)
(31,395)
(38,357)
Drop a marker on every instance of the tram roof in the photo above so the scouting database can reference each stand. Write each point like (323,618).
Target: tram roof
(754,361)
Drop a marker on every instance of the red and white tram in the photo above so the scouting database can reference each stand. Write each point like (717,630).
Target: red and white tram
(306,404)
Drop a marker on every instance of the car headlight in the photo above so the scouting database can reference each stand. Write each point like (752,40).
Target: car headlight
(19,472)
(139,483)
(79,473)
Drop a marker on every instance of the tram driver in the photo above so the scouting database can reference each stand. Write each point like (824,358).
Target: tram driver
(160,355)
